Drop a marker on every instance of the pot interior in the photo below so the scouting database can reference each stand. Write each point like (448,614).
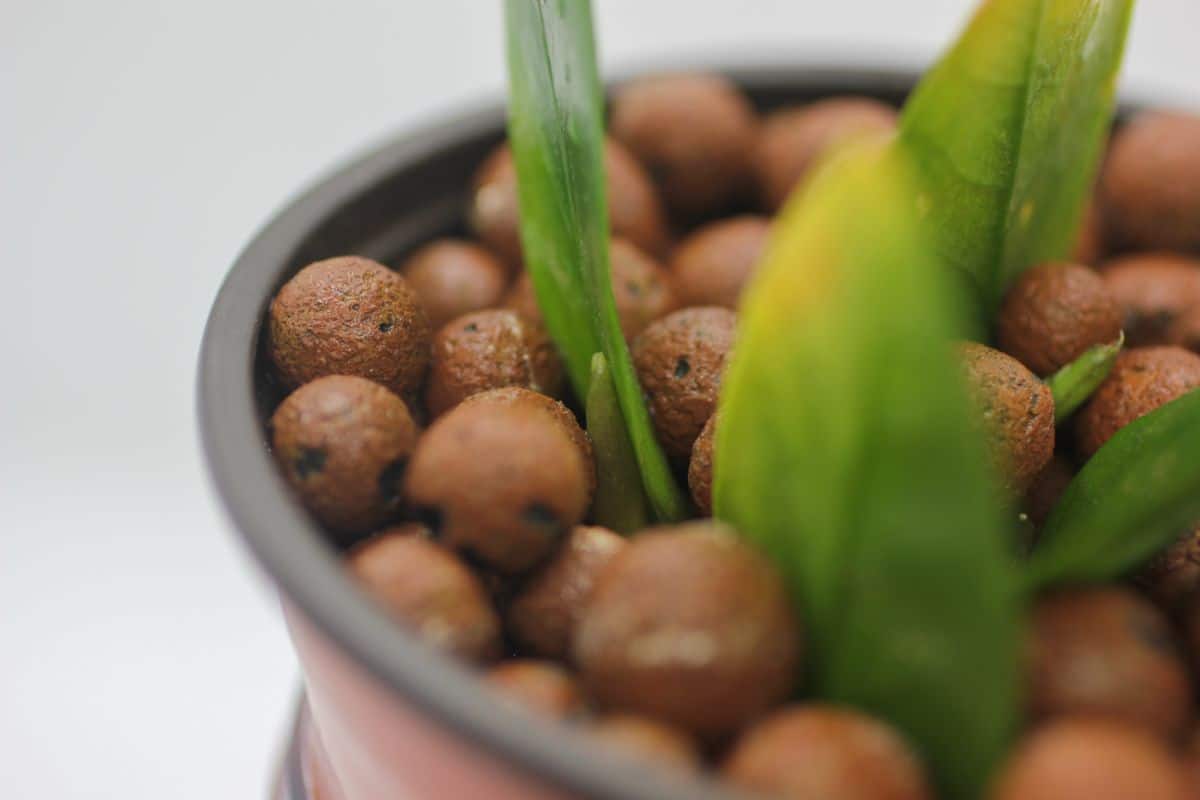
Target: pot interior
(421,200)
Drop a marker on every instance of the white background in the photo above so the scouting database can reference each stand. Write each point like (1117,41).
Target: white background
(141,144)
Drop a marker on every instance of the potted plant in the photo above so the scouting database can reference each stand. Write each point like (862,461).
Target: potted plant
(916,536)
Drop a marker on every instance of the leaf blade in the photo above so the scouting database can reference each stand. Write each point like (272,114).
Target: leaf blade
(853,487)
(556,132)
(1008,128)
(620,503)
(1074,383)
(1136,495)
(554,90)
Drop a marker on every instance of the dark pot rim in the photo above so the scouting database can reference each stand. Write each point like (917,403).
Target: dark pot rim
(291,547)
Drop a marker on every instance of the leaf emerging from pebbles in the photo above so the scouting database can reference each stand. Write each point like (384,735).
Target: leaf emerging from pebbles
(846,453)
(556,116)
(1074,384)
(1007,130)
(620,503)
(1131,499)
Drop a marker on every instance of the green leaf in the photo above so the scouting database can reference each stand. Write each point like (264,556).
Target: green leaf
(620,503)
(847,454)
(556,130)
(1134,497)
(1007,130)
(1074,384)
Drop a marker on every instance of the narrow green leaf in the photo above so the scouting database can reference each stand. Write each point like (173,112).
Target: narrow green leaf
(846,453)
(1134,497)
(1074,384)
(620,503)
(1007,130)
(555,131)
(556,116)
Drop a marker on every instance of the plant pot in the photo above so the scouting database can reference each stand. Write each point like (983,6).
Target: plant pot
(385,717)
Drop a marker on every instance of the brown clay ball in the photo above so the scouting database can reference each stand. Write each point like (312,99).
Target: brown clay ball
(342,443)
(542,618)
(794,139)
(1089,242)
(1141,381)
(453,277)
(700,467)
(1190,625)
(693,132)
(1151,183)
(692,627)
(1107,652)
(501,483)
(634,207)
(520,396)
(1154,290)
(712,266)
(642,290)
(349,316)
(430,592)
(635,210)
(1172,577)
(818,751)
(1017,411)
(1054,313)
(1047,489)
(522,298)
(1091,759)
(494,211)
(679,361)
(488,350)
(539,686)
(1185,330)
(1191,760)
(648,740)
